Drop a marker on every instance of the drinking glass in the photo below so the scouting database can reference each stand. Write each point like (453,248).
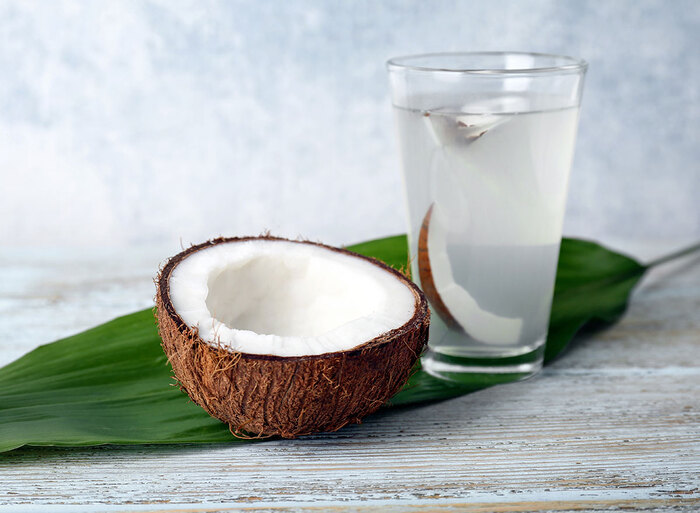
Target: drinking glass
(486,142)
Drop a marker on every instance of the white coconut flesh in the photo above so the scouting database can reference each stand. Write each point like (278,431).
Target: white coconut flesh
(284,298)
(447,129)
(481,324)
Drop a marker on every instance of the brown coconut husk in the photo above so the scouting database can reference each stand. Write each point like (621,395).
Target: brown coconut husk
(264,395)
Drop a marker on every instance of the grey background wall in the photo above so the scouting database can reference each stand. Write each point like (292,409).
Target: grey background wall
(143,122)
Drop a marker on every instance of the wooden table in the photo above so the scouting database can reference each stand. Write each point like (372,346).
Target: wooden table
(614,425)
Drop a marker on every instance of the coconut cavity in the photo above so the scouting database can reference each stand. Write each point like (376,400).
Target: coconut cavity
(286,299)
(284,337)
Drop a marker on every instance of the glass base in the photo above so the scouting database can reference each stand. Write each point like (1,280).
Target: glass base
(467,368)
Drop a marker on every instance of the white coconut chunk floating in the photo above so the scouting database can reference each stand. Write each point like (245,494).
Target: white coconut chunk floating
(451,301)
(449,129)
(280,337)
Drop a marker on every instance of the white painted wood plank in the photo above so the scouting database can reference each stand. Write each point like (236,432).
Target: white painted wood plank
(625,501)
(55,293)
(613,425)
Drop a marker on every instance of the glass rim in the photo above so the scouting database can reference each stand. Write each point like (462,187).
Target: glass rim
(572,64)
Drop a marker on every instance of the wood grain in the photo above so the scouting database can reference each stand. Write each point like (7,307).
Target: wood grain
(614,425)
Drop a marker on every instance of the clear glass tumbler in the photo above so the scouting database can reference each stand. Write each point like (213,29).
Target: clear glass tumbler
(487,141)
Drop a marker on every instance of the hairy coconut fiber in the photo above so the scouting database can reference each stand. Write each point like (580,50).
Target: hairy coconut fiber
(264,395)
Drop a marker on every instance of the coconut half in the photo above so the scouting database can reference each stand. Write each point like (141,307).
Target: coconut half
(280,337)
(452,302)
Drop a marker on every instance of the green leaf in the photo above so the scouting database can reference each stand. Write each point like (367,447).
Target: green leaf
(393,251)
(593,284)
(112,384)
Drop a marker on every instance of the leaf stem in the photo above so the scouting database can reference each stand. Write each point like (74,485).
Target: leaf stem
(674,255)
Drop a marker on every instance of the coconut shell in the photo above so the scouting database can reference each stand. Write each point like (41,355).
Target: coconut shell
(264,395)
(425,273)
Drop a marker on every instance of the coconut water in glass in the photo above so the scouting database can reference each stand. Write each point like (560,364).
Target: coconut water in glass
(486,143)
